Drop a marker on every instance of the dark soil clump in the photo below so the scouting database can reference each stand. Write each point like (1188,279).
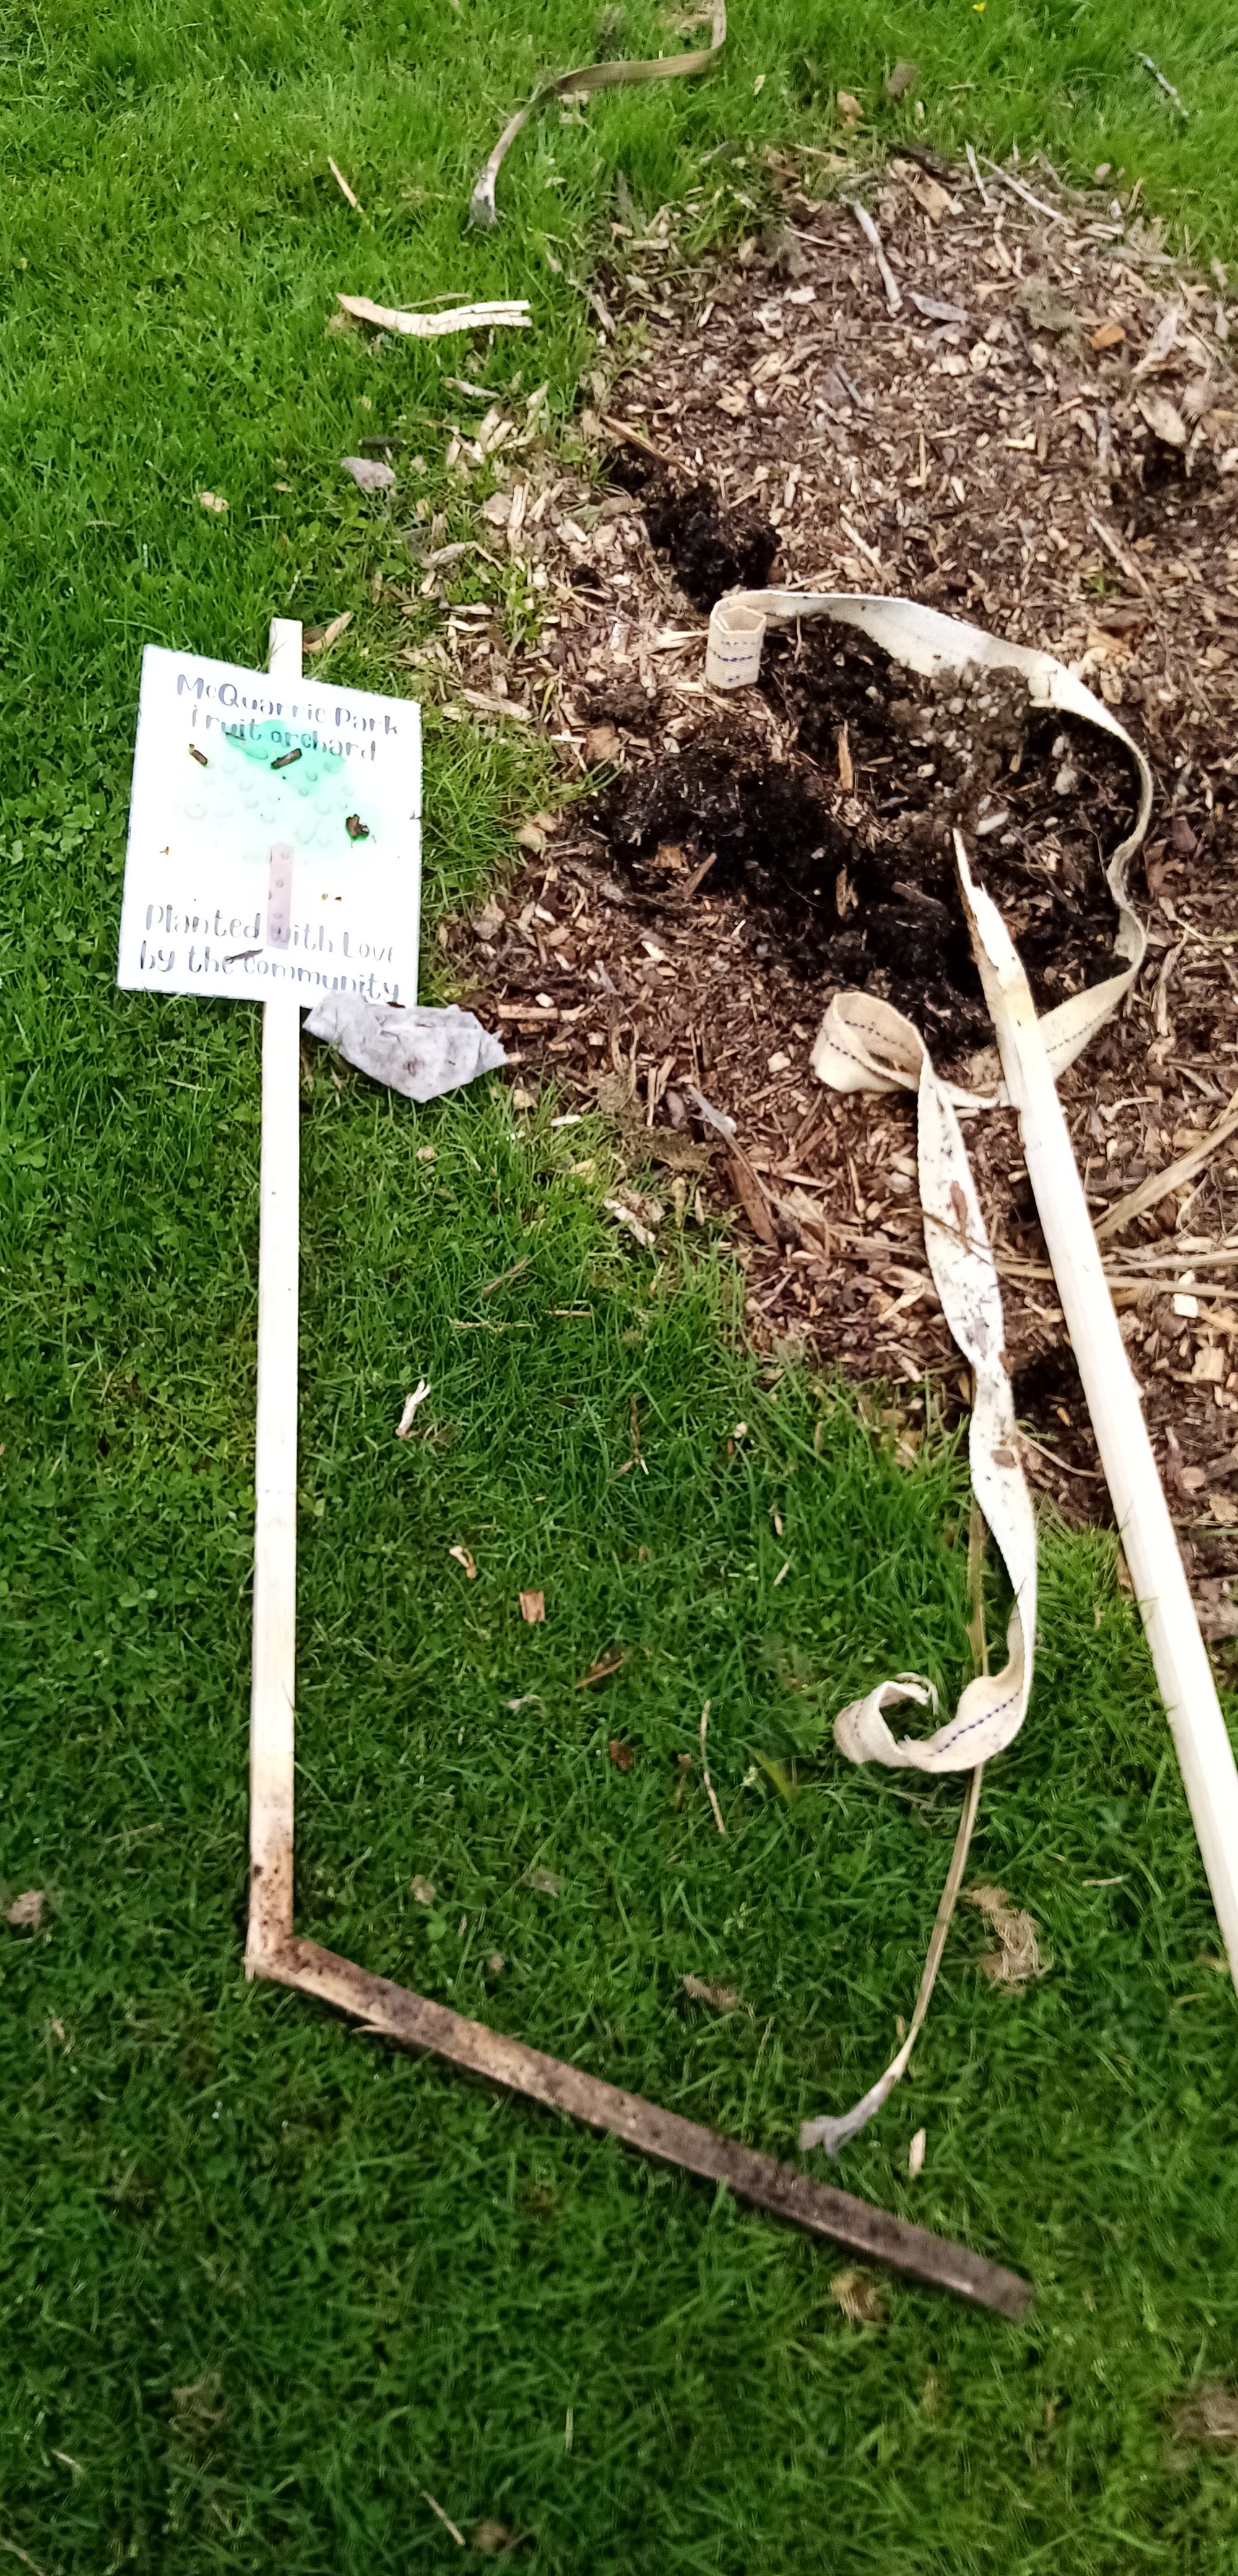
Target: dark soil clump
(710,550)
(1158,488)
(625,703)
(844,847)
(769,831)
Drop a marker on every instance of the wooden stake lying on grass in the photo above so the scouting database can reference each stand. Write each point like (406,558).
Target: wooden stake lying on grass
(390,2011)
(1142,1513)
(413,2021)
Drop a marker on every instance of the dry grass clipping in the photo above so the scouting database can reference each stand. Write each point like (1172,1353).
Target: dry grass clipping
(1017,1958)
(861,2299)
(1211,2415)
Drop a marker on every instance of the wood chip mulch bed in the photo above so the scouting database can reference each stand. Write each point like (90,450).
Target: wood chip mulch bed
(1043,438)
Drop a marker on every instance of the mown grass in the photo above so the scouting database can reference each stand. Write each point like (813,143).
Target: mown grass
(264,2285)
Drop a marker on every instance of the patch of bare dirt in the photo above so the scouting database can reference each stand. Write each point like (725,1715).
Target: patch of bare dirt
(1044,437)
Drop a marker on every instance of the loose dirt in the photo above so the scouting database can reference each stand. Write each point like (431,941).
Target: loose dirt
(842,849)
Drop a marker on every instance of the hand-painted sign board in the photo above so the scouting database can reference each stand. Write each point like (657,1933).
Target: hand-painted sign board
(274,837)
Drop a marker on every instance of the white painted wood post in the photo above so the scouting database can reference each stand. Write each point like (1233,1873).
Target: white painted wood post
(273,1687)
(1178,1652)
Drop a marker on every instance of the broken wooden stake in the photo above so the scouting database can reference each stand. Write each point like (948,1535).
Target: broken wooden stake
(413,2021)
(390,2011)
(1178,1652)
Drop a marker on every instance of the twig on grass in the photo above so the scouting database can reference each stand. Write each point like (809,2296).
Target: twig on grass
(1166,85)
(709,1786)
(444,2518)
(20,2553)
(504,1277)
(343,186)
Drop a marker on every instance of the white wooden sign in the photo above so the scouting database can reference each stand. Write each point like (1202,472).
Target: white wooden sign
(274,837)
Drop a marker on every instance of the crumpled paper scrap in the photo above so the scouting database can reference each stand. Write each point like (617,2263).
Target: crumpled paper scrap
(421,1052)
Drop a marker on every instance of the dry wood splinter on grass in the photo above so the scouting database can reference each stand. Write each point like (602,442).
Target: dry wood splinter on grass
(15,2552)
(411,1404)
(602,1671)
(345,191)
(445,2519)
(709,1786)
(319,639)
(513,315)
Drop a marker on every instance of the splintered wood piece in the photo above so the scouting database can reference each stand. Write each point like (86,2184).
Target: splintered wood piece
(413,2021)
(755,1204)
(1151,1192)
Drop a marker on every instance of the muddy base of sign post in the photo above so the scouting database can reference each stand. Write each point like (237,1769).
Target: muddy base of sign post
(412,2021)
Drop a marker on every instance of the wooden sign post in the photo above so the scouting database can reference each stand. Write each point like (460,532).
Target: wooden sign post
(273,1683)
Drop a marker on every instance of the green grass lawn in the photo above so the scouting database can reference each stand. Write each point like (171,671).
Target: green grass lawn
(262,2284)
